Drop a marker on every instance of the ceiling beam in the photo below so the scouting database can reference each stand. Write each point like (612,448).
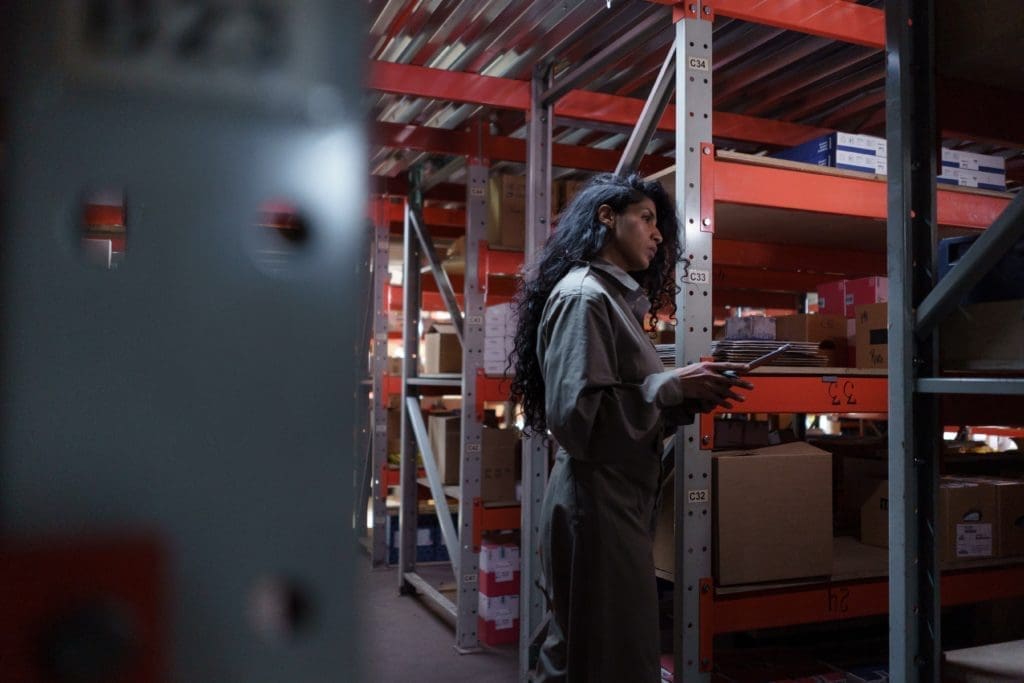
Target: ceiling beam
(581,105)
(836,19)
(500,148)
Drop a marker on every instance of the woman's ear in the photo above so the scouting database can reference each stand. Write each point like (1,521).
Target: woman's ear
(606,215)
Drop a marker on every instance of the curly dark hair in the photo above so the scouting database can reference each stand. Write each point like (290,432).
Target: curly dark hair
(577,239)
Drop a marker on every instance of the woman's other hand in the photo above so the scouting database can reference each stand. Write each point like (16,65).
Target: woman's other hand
(707,383)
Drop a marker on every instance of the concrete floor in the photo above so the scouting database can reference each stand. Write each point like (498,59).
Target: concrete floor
(405,640)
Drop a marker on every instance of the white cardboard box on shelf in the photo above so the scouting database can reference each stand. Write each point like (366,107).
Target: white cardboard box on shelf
(964,177)
(973,161)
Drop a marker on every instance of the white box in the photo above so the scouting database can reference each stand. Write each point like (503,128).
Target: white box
(500,609)
(750,327)
(867,143)
(861,161)
(973,162)
(968,178)
(500,558)
(499,320)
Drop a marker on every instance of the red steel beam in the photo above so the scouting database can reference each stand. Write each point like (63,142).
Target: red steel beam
(750,184)
(500,148)
(848,600)
(793,257)
(506,93)
(836,19)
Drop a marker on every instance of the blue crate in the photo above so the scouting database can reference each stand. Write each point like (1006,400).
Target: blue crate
(433,551)
(1004,281)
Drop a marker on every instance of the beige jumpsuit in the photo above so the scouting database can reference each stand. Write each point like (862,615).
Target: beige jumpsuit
(608,404)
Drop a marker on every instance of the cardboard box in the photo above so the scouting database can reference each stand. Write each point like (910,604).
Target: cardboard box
(738,433)
(963,177)
(750,327)
(856,480)
(865,290)
(811,328)
(498,464)
(442,352)
(394,429)
(1008,530)
(771,515)
(840,150)
(874,516)
(872,336)
(497,619)
(569,190)
(971,161)
(1010,501)
(984,336)
(966,520)
(506,221)
(499,320)
(827,330)
(445,432)
(831,298)
(500,567)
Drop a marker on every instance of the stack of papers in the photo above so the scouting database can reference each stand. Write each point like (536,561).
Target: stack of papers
(803,354)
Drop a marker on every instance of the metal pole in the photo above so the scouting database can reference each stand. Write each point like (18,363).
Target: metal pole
(535,451)
(653,110)
(379,416)
(610,54)
(692,479)
(914,617)
(444,284)
(410,343)
(979,259)
(466,637)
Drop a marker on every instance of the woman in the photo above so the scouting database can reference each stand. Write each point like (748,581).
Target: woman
(587,372)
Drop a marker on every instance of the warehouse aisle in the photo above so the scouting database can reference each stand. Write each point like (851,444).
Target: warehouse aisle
(405,640)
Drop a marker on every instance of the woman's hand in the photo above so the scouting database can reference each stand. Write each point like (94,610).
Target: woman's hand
(707,383)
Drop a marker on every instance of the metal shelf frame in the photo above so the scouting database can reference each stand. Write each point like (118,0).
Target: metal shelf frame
(701,181)
(469,323)
(916,305)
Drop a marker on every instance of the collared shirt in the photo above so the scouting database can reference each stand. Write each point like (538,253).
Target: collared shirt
(608,397)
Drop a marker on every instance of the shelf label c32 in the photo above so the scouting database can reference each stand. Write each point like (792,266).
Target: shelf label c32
(698,277)
(698,496)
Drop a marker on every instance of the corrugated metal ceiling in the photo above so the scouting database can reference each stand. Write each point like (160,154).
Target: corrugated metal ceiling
(758,70)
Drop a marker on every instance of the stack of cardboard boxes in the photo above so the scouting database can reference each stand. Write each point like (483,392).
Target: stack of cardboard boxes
(867,154)
(978,518)
(499,338)
(498,596)
(497,457)
(506,201)
(862,302)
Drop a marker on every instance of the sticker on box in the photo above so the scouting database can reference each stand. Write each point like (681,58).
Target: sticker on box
(974,540)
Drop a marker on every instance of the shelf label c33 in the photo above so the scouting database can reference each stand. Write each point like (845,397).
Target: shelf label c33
(698,277)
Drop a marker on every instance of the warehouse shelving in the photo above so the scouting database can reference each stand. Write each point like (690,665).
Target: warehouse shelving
(724,194)
(485,276)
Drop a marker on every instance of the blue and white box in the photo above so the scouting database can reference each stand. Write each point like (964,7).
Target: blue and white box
(963,177)
(971,161)
(849,151)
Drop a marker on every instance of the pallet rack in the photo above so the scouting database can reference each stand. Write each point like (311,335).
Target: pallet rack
(714,189)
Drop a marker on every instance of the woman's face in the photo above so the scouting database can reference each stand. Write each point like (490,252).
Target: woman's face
(633,235)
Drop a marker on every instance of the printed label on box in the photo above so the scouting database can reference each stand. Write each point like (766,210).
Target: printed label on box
(503,623)
(423,537)
(974,540)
